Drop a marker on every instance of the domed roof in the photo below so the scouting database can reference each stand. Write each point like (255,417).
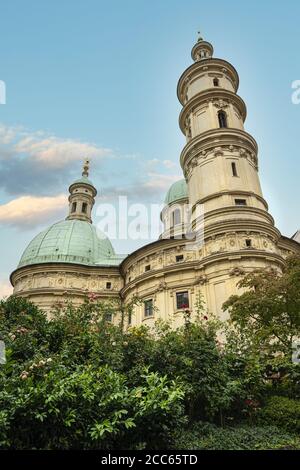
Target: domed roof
(85,180)
(69,241)
(177,191)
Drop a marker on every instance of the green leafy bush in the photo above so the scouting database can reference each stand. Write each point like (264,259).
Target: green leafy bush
(282,412)
(51,407)
(205,436)
(67,385)
(77,381)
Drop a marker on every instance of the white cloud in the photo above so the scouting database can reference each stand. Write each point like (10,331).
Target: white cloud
(42,148)
(5,289)
(160,182)
(8,134)
(57,153)
(169,164)
(31,210)
(41,163)
(154,162)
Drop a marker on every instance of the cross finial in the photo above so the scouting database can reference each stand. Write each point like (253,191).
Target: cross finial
(200,38)
(85,168)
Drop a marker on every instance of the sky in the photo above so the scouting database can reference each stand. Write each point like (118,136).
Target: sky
(97,79)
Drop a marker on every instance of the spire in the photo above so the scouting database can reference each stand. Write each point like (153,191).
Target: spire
(86,168)
(199,38)
(82,196)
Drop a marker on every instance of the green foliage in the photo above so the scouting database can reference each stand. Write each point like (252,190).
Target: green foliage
(65,384)
(262,335)
(192,354)
(77,381)
(282,412)
(55,408)
(268,311)
(22,326)
(204,436)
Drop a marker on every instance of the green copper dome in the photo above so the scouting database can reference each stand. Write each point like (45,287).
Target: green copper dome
(85,180)
(177,191)
(70,241)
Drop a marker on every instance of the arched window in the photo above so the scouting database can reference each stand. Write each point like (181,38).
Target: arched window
(176,217)
(222,119)
(216,82)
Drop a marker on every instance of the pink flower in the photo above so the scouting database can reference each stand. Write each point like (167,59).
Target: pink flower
(92,296)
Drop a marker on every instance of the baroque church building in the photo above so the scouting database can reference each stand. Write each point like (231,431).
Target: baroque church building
(69,260)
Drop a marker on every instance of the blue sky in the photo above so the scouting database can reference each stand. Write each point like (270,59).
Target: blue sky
(99,78)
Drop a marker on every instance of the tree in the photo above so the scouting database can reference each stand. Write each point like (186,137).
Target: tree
(65,384)
(268,312)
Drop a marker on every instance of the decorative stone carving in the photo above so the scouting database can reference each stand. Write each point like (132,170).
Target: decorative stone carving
(194,162)
(200,280)
(221,104)
(236,271)
(217,151)
(162,286)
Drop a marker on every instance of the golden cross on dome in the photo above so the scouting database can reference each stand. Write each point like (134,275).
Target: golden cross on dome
(86,168)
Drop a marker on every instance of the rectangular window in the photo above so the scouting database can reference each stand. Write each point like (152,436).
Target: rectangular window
(179,258)
(108,285)
(182,300)
(129,318)
(240,202)
(108,316)
(176,217)
(148,312)
(248,243)
(148,267)
(84,207)
(74,204)
(234,169)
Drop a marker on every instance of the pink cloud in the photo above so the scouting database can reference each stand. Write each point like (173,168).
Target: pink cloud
(32,210)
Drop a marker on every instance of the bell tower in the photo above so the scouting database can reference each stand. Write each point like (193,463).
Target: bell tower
(219,159)
(82,196)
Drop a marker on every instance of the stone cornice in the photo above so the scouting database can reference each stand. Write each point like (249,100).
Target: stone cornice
(146,250)
(217,140)
(289,243)
(238,210)
(65,292)
(219,97)
(86,185)
(232,193)
(241,225)
(203,65)
(75,269)
(200,264)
